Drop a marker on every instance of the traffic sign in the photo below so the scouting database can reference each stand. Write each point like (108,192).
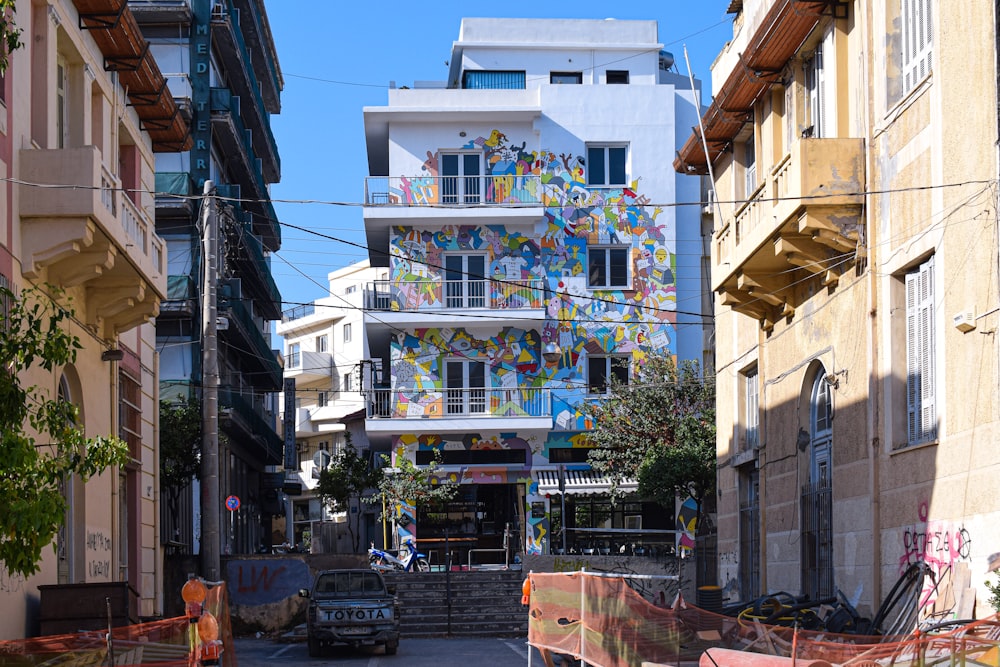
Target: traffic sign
(232,503)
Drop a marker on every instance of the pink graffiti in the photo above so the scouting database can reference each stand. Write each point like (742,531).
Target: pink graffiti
(939,544)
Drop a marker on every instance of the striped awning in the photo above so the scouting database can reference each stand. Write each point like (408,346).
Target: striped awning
(580,482)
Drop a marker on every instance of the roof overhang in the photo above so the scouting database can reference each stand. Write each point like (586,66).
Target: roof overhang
(780,35)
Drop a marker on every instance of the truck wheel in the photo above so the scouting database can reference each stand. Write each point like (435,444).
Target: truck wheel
(423,565)
(390,648)
(315,648)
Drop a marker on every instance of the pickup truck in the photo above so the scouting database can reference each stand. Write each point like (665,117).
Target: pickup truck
(353,607)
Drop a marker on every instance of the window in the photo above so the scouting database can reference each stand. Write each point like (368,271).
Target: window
(918,35)
(608,267)
(921,419)
(566,77)
(602,370)
(815,94)
(321,343)
(346,383)
(749,167)
(322,399)
(496,80)
(465,281)
(62,102)
(465,387)
(350,289)
(460,178)
(606,165)
(817,495)
(294,357)
(347,332)
(749,534)
(616,76)
(751,409)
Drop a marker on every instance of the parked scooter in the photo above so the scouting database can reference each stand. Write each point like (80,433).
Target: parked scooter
(410,559)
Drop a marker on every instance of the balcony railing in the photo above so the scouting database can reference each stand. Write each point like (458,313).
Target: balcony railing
(303,310)
(420,295)
(458,191)
(466,402)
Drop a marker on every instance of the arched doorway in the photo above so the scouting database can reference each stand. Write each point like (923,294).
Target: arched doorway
(817,493)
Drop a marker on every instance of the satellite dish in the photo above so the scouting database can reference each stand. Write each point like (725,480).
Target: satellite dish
(321,459)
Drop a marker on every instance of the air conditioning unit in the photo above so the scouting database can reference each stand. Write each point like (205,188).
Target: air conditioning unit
(709,206)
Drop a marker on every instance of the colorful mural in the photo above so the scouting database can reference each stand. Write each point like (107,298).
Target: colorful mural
(544,268)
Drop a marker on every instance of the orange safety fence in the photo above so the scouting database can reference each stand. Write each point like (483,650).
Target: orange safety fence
(165,643)
(606,623)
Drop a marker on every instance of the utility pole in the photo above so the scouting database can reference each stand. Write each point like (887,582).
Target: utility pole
(210,498)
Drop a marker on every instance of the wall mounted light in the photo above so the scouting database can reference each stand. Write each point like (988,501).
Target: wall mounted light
(551,352)
(115,354)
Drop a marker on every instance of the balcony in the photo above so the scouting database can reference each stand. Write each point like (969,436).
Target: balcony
(240,73)
(309,366)
(173,194)
(245,335)
(253,267)
(249,428)
(92,236)
(441,302)
(458,410)
(803,219)
(481,200)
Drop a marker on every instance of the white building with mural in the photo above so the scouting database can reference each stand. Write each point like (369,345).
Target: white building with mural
(525,211)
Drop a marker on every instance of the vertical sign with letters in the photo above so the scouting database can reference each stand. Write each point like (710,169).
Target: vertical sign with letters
(201,122)
(288,424)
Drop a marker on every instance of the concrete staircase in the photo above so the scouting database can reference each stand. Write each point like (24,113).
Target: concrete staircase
(483,603)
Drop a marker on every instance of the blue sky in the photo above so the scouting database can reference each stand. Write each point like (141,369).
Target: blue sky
(338,57)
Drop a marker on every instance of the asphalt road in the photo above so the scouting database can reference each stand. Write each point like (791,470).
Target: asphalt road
(437,652)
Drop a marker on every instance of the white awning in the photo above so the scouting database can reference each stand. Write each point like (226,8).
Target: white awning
(581,482)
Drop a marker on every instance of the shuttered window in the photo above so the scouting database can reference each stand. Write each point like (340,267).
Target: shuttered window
(917,41)
(921,417)
(493,80)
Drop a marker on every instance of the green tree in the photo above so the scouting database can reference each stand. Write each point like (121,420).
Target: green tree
(41,442)
(408,482)
(180,448)
(10,34)
(658,429)
(348,476)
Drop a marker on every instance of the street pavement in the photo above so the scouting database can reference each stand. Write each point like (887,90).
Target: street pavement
(434,652)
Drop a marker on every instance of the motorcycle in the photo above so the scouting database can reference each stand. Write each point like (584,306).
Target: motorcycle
(410,559)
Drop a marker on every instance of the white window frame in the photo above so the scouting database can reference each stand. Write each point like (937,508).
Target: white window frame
(606,252)
(610,371)
(921,352)
(471,288)
(464,398)
(322,343)
(606,149)
(347,332)
(461,187)
(294,355)
(918,41)
(750,166)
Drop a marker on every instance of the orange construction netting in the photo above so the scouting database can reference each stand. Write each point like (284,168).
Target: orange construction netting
(606,623)
(166,643)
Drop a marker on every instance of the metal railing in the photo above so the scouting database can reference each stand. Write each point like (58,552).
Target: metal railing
(295,313)
(464,402)
(454,294)
(493,190)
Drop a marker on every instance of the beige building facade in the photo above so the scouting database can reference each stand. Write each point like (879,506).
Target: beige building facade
(83,110)
(852,145)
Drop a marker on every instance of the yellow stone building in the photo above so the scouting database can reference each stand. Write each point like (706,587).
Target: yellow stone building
(853,150)
(83,108)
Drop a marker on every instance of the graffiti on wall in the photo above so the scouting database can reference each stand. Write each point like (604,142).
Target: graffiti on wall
(257,582)
(98,556)
(939,544)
